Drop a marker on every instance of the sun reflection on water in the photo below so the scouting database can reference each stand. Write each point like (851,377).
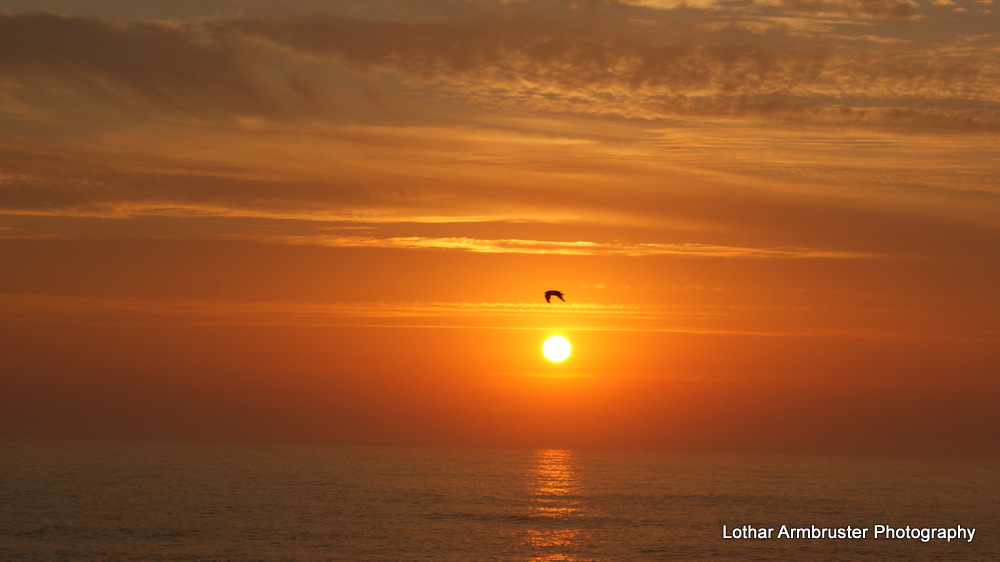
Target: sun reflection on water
(555,507)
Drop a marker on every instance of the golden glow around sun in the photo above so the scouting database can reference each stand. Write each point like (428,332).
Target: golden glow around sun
(556,349)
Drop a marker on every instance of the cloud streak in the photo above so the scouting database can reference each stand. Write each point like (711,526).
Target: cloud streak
(575,317)
(550,247)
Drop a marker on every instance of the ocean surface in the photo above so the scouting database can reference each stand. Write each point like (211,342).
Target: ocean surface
(94,500)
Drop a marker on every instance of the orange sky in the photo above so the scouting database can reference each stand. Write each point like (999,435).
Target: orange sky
(777,223)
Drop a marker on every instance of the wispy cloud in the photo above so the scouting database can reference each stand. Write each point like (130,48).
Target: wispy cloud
(620,67)
(183,311)
(575,317)
(574,248)
(903,9)
(621,60)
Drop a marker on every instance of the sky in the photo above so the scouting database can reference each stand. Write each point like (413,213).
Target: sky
(776,223)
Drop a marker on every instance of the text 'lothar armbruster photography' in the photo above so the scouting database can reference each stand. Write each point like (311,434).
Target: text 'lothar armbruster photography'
(850,532)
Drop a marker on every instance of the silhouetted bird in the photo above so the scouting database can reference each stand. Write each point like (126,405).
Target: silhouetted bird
(550,294)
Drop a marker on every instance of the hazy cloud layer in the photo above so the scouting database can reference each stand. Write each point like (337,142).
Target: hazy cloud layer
(618,60)
(664,68)
(170,66)
(750,122)
(467,315)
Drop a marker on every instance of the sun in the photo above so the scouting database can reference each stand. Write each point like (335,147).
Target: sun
(556,349)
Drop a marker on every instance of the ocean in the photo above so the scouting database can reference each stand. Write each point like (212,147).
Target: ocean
(96,500)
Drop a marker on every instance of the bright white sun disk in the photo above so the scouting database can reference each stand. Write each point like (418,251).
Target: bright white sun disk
(556,349)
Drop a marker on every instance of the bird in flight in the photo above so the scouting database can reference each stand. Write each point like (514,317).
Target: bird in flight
(550,294)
